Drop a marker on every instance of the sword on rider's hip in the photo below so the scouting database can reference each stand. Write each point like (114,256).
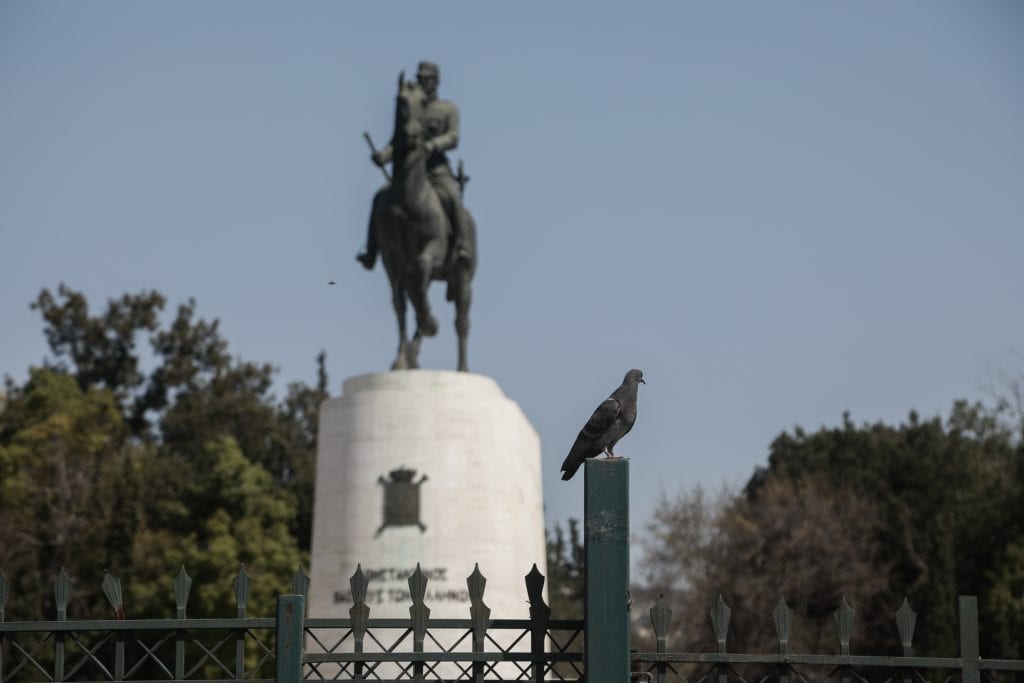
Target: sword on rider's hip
(461,178)
(366,136)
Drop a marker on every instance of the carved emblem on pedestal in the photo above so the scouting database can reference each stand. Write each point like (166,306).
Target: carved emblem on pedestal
(401,499)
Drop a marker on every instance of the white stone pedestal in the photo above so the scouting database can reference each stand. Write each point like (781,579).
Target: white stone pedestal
(473,460)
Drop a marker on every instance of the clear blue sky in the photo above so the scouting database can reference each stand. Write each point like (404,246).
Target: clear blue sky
(779,211)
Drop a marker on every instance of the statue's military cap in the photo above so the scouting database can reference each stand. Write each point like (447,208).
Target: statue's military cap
(428,69)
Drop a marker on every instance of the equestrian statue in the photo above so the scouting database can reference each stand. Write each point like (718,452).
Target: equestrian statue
(418,224)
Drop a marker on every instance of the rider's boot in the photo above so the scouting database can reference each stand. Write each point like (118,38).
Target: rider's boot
(368,256)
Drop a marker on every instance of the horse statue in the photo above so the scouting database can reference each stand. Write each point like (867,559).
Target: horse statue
(414,235)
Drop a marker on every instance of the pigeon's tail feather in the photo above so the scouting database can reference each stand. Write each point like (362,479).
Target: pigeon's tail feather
(579,452)
(569,469)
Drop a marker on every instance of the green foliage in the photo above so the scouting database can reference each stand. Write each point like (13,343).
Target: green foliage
(62,455)
(105,465)
(235,514)
(926,509)
(196,392)
(102,349)
(566,571)
(950,511)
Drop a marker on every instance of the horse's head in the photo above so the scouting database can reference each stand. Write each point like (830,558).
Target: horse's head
(409,107)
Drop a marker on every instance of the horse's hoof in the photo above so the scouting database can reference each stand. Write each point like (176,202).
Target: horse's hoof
(429,326)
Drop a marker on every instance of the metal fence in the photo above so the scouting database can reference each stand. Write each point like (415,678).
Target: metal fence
(477,648)
(119,649)
(664,666)
(357,648)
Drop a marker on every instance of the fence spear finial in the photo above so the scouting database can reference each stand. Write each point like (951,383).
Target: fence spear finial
(182,587)
(112,590)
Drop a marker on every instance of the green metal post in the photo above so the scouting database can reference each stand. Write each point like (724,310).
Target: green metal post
(290,610)
(606,545)
(970,653)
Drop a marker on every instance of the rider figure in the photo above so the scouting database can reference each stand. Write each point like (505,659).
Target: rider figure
(441,119)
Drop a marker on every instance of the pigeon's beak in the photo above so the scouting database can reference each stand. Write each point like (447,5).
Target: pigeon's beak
(642,381)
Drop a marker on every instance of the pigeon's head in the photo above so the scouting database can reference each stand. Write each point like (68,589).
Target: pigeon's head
(634,377)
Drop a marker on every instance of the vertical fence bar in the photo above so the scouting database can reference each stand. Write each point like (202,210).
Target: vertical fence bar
(62,595)
(419,614)
(119,642)
(606,544)
(970,651)
(906,619)
(843,618)
(479,615)
(243,586)
(182,587)
(783,617)
(288,648)
(112,590)
(359,613)
(720,617)
(661,620)
(540,615)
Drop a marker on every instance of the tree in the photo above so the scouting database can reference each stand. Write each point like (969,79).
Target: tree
(195,393)
(798,539)
(950,498)
(925,509)
(101,349)
(62,460)
(105,465)
(566,571)
(234,514)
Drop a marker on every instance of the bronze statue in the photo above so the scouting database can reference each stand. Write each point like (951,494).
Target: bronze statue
(417,221)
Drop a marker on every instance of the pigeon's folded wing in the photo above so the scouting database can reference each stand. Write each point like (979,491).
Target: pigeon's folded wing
(601,420)
(586,443)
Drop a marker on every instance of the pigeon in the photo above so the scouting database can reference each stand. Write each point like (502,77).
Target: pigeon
(610,422)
